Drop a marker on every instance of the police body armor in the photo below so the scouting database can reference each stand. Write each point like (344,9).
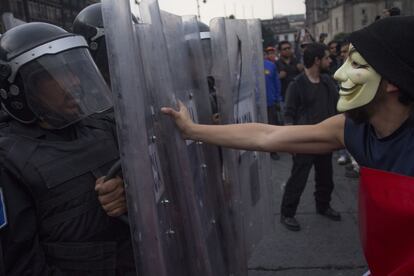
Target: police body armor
(60,176)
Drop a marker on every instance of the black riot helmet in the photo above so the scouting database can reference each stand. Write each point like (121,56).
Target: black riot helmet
(89,24)
(48,75)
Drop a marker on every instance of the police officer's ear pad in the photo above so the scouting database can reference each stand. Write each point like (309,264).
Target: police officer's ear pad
(13,99)
(5,71)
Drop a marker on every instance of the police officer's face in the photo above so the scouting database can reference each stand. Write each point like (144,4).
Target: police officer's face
(359,82)
(54,95)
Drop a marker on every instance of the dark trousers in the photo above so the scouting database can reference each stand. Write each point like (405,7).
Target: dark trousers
(274,115)
(302,164)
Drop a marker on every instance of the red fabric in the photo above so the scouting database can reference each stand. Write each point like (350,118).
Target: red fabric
(386,216)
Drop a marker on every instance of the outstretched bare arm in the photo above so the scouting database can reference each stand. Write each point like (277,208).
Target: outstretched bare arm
(320,138)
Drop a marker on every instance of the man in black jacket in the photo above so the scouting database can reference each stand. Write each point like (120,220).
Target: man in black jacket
(310,99)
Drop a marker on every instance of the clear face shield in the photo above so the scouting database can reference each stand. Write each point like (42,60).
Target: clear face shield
(64,88)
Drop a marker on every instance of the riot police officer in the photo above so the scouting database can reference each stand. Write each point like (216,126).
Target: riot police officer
(89,24)
(56,210)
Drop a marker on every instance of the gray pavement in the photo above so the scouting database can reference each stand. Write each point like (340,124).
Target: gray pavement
(323,247)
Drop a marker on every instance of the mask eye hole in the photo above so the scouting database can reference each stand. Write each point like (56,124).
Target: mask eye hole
(356,65)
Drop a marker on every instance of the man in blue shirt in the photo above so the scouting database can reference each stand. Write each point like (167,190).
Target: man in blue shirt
(273,95)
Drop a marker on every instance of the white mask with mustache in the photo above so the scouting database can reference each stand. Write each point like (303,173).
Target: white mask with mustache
(359,82)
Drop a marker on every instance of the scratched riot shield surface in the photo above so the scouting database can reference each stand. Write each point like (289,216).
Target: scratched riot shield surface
(190,83)
(173,232)
(145,182)
(241,99)
(9,21)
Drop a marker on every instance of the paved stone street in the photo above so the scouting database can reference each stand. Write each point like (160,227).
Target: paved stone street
(323,247)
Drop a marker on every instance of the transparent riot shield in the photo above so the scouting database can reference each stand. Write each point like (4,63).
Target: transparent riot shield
(241,98)
(9,21)
(173,220)
(190,82)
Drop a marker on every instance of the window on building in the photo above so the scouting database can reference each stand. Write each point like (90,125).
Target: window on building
(364,20)
(58,14)
(33,9)
(42,11)
(336,24)
(19,10)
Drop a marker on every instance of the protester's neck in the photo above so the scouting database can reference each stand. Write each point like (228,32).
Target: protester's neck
(286,59)
(313,73)
(391,115)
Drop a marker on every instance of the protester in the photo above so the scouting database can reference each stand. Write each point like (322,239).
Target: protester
(322,37)
(377,127)
(393,11)
(288,65)
(343,52)
(311,98)
(333,54)
(271,54)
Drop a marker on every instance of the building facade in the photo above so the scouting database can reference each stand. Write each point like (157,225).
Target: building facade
(57,12)
(285,27)
(334,17)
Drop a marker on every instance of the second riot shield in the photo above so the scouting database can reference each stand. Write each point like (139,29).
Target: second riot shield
(190,82)
(173,228)
(242,99)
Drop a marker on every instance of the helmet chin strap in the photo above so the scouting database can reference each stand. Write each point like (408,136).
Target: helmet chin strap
(54,120)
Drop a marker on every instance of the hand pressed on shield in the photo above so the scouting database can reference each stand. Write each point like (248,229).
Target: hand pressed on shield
(314,139)
(111,195)
(182,119)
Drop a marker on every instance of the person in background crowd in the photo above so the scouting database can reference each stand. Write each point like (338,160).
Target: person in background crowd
(333,54)
(271,54)
(288,65)
(393,11)
(344,50)
(273,95)
(322,37)
(352,167)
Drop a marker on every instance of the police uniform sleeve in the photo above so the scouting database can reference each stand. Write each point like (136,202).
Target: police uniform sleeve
(22,253)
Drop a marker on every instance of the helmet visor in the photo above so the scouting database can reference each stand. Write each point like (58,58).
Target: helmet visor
(64,88)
